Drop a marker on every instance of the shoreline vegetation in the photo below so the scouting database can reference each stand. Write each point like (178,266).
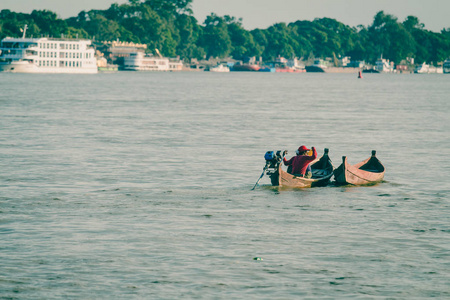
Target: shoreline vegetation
(170,26)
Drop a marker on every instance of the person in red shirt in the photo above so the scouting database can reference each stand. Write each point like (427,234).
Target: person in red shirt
(300,163)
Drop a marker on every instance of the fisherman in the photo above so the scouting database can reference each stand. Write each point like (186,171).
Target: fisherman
(299,165)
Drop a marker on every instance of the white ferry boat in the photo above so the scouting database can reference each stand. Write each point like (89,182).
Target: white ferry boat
(383,66)
(138,61)
(423,68)
(219,69)
(47,55)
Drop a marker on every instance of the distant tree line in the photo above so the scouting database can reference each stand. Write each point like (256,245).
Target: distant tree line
(169,25)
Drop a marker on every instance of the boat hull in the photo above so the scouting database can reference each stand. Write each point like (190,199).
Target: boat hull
(267,69)
(25,67)
(289,70)
(109,68)
(220,69)
(19,67)
(367,172)
(245,68)
(315,69)
(370,71)
(322,170)
(323,69)
(289,180)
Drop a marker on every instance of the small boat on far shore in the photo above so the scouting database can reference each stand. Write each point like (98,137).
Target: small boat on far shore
(369,171)
(219,69)
(427,69)
(243,67)
(446,66)
(321,66)
(381,66)
(286,69)
(283,65)
(317,67)
(321,168)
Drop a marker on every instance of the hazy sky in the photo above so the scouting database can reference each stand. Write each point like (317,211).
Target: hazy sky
(263,13)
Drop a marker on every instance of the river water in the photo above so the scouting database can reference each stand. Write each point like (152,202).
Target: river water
(138,186)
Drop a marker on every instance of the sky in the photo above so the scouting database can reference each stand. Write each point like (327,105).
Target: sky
(264,13)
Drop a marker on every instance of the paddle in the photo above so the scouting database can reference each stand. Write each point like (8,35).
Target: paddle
(262,174)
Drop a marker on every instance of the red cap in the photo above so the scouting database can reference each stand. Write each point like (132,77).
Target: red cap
(303,148)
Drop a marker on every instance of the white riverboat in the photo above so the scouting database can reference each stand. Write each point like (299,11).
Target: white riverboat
(219,69)
(384,66)
(138,61)
(427,69)
(47,55)
(381,66)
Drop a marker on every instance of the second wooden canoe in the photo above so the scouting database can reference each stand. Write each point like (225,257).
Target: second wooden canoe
(369,171)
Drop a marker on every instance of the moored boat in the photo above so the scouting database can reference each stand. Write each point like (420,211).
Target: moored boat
(318,67)
(446,67)
(369,171)
(267,69)
(47,55)
(139,61)
(283,65)
(370,70)
(381,66)
(423,68)
(286,69)
(427,69)
(219,69)
(321,66)
(322,171)
(239,67)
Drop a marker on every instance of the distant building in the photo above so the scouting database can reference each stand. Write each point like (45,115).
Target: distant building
(115,52)
(138,61)
(344,61)
(402,68)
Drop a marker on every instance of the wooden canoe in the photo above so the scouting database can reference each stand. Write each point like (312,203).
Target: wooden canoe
(369,171)
(322,170)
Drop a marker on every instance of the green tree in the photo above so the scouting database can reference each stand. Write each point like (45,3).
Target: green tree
(48,23)
(102,29)
(361,47)
(341,38)
(243,44)
(12,23)
(76,33)
(301,31)
(260,38)
(280,42)
(189,32)
(171,7)
(390,38)
(168,25)
(411,23)
(215,39)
